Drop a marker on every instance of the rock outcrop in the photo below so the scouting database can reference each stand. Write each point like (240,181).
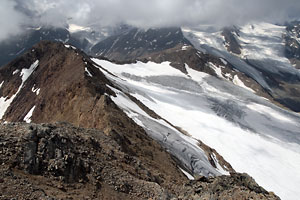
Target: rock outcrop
(60,161)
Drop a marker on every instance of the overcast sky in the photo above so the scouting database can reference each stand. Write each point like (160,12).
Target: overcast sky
(142,13)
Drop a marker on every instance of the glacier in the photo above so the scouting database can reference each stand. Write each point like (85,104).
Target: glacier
(252,134)
(262,49)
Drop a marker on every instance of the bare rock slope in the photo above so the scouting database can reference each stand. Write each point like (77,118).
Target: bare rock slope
(60,161)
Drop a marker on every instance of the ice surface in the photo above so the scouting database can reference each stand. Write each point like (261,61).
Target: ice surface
(212,43)
(252,134)
(186,149)
(223,61)
(29,115)
(262,45)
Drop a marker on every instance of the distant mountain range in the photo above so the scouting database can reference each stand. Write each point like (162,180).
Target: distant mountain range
(174,103)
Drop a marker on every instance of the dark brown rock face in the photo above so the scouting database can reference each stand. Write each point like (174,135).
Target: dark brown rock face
(136,43)
(231,42)
(64,159)
(60,161)
(62,81)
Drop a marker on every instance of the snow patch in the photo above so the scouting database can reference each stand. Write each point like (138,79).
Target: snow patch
(219,167)
(1,84)
(16,71)
(228,76)
(25,73)
(70,46)
(88,72)
(184,47)
(188,175)
(35,90)
(216,69)
(29,115)
(195,75)
(141,69)
(240,83)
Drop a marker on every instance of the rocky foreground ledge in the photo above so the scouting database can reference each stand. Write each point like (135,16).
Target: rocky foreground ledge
(60,161)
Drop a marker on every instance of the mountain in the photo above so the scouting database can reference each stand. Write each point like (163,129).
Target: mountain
(292,43)
(171,46)
(62,84)
(235,121)
(81,37)
(262,57)
(55,82)
(17,45)
(136,43)
(261,51)
(209,102)
(247,130)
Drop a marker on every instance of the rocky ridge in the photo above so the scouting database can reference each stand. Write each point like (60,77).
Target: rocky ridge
(60,161)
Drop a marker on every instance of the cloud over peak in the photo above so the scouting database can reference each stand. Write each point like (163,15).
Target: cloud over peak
(143,13)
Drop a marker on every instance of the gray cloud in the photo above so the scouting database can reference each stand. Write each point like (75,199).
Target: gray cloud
(11,20)
(144,13)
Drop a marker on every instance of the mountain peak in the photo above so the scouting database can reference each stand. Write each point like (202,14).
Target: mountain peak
(60,71)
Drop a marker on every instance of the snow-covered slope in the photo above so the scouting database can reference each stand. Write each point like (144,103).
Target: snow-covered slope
(214,43)
(260,53)
(262,41)
(252,134)
(187,150)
